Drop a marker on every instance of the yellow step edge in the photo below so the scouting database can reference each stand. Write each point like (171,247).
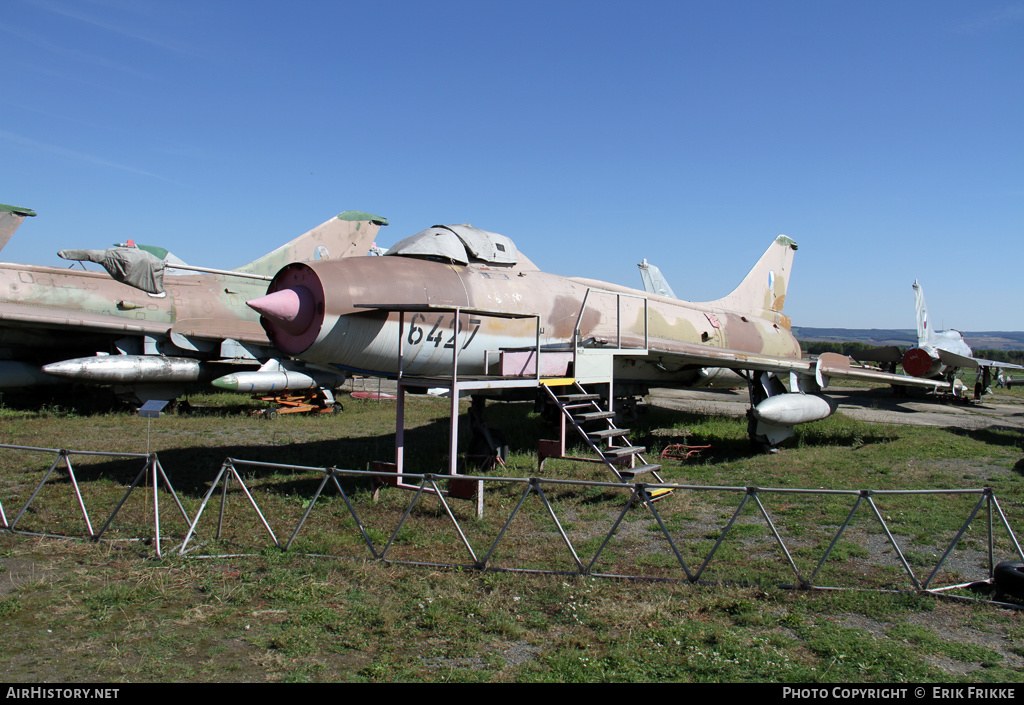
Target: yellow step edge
(558,381)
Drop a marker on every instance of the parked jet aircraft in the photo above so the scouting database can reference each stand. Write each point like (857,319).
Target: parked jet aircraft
(716,377)
(346,313)
(940,353)
(86,327)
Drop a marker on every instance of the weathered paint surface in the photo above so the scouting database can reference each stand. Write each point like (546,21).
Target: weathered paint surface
(347,325)
(50,314)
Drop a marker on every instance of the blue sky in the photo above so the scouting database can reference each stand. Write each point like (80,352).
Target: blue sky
(884,137)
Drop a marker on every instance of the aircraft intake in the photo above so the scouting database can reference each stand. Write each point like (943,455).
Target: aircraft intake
(292,312)
(346,313)
(292,309)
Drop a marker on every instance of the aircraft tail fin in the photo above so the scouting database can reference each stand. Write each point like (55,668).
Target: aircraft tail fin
(763,291)
(348,234)
(654,281)
(10,218)
(923,328)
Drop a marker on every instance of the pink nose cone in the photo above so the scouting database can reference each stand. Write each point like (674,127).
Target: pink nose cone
(291,309)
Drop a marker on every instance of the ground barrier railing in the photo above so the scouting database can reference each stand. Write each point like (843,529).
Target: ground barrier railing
(151,473)
(480,553)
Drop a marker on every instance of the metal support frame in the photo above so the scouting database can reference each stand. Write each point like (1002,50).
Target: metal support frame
(151,471)
(456,385)
(618,317)
(223,480)
(563,417)
(617,465)
(453,383)
(635,495)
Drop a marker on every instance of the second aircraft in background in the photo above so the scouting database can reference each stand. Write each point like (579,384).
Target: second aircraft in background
(174,331)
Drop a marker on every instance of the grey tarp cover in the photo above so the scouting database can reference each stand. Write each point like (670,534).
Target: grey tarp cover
(129,265)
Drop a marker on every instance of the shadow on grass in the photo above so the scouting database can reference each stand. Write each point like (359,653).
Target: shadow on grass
(727,435)
(1006,436)
(62,400)
(192,468)
(86,400)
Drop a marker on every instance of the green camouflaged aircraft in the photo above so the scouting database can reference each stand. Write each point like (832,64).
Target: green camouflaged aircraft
(147,333)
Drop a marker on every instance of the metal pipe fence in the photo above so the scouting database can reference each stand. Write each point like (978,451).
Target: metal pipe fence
(151,473)
(702,542)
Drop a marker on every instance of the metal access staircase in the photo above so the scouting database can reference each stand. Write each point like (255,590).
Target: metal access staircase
(585,359)
(596,426)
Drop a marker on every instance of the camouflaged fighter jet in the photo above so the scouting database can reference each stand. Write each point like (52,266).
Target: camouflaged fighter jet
(149,334)
(347,314)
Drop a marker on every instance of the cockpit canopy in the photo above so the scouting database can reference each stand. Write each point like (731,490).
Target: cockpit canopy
(459,243)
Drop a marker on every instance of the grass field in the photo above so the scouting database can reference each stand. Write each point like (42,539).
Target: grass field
(77,611)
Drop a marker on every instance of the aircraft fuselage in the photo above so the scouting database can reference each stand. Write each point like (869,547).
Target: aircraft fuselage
(90,308)
(341,317)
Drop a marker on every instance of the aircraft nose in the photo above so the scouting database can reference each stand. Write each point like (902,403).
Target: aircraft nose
(292,309)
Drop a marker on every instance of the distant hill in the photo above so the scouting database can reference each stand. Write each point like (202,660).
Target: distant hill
(982,340)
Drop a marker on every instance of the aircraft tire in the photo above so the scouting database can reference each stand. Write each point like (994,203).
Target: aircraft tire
(1009,579)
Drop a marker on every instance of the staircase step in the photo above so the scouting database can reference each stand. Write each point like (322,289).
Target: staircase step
(632,473)
(573,398)
(620,452)
(607,433)
(595,416)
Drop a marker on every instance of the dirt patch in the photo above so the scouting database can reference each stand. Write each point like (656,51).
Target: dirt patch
(947,623)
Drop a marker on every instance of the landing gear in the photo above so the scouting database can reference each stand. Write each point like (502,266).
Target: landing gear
(982,382)
(486,445)
(764,438)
